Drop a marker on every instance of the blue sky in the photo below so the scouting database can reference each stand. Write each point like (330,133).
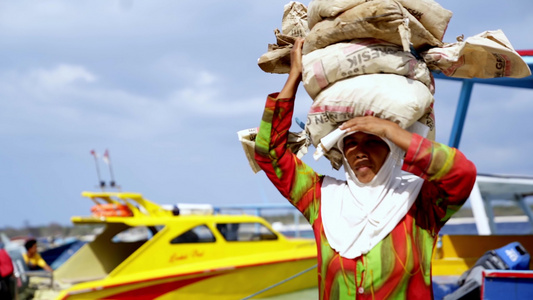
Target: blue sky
(165,86)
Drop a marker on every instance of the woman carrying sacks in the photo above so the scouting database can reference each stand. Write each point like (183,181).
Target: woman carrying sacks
(376,230)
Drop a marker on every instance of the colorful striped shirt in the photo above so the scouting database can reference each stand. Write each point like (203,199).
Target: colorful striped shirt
(399,266)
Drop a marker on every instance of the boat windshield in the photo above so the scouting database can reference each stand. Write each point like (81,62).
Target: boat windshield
(245,232)
(135,234)
(95,261)
(198,234)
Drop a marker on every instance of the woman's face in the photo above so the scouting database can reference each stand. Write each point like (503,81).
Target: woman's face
(365,153)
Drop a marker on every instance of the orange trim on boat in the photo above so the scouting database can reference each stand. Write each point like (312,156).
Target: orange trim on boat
(111,210)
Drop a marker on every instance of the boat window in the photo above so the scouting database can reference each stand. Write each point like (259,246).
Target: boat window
(245,232)
(136,234)
(199,234)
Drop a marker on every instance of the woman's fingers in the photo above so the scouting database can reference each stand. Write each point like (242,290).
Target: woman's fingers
(296,55)
(380,127)
(368,124)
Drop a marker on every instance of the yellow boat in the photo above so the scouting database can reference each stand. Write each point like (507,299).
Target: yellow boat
(196,256)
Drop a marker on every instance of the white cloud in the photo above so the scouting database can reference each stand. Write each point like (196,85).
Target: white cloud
(208,102)
(97,19)
(205,97)
(205,78)
(61,76)
(51,102)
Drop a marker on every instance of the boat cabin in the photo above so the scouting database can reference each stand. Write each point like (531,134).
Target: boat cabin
(144,247)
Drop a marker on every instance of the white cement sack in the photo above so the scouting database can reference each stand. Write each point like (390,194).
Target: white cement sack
(247,139)
(375,19)
(326,66)
(428,119)
(431,14)
(486,55)
(387,96)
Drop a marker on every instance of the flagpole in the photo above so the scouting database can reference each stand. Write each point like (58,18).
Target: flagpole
(107,159)
(102,183)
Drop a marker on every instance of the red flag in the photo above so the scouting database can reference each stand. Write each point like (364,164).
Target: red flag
(93,153)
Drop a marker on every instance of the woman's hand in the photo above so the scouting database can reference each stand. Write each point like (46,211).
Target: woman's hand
(296,58)
(295,73)
(380,127)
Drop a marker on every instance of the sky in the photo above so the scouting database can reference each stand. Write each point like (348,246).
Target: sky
(165,85)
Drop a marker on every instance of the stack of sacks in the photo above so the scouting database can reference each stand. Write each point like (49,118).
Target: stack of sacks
(374,57)
(359,59)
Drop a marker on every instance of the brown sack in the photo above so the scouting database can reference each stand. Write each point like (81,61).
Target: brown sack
(376,19)
(277,60)
(294,24)
(319,10)
(431,15)
(486,55)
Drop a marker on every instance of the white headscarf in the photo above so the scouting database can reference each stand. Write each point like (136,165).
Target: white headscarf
(357,216)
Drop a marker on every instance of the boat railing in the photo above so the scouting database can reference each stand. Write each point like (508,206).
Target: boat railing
(492,188)
(260,209)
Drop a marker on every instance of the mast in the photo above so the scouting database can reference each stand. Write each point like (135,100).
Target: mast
(107,160)
(102,183)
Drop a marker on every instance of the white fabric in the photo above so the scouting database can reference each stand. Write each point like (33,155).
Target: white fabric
(357,216)
(328,142)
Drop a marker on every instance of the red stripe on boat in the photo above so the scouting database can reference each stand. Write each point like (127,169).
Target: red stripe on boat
(525,52)
(156,290)
(193,280)
(507,274)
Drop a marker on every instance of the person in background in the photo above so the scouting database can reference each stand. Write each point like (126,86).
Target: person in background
(376,229)
(7,281)
(32,257)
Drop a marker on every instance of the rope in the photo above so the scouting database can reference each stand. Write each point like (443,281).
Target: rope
(279,283)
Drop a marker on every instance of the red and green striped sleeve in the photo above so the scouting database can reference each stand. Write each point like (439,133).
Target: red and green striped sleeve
(449,176)
(295,180)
